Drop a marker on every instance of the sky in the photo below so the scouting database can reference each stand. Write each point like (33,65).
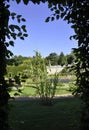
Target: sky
(45,37)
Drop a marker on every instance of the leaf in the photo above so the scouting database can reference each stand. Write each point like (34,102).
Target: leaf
(25,35)
(9,53)
(13,35)
(43,1)
(17,27)
(57,17)
(7,44)
(12,28)
(13,14)
(18,20)
(52,18)
(11,43)
(49,5)
(7,6)
(62,15)
(22,38)
(13,17)
(61,8)
(8,36)
(19,34)
(47,19)
(52,9)
(19,16)
(38,2)
(24,20)
(18,1)
(24,28)
(57,11)
(25,2)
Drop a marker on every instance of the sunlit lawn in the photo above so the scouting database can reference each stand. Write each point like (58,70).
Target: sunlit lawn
(31,115)
(30,91)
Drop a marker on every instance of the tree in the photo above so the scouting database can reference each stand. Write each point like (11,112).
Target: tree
(16,60)
(44,84)
(62,59)
(7,32)
(52,58)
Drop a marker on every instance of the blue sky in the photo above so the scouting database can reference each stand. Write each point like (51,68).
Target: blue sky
(44,37)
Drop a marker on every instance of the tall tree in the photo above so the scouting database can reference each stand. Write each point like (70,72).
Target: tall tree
(62,59)
(7,32)
(52,58)
(4,17)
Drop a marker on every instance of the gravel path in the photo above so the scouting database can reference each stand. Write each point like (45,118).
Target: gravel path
(22,98)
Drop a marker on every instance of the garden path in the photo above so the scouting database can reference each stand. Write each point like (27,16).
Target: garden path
(22,98)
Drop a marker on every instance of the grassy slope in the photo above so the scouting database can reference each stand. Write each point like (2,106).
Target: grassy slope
(30,115)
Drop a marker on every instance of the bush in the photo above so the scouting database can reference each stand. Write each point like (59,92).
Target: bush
(45,85)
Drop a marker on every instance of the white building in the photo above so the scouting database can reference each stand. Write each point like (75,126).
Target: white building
(54,69)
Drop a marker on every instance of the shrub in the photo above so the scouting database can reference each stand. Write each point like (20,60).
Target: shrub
(45,84)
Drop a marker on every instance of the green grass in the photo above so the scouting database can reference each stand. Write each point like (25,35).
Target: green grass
(30,91)
(26,91)
(62,91)
(30,115)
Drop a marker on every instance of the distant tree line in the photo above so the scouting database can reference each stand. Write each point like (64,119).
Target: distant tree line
(16,60)
(60,59)
(52,59)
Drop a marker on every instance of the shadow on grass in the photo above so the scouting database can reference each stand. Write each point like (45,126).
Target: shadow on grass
(30,115)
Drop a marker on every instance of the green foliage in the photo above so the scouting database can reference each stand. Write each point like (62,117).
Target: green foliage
(72,87)
(15,31)
(4,95)
(22,69)
(17,79)
(62,59)
(45,86)
(53,58)
(10,32)
(18,65)
(16,60)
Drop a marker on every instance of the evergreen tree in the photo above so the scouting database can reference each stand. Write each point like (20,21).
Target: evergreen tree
(62,59)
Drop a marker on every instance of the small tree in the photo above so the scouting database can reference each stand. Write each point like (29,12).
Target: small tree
(45,84)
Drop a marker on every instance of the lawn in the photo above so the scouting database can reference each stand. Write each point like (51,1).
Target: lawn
(31,115)
(31,91)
